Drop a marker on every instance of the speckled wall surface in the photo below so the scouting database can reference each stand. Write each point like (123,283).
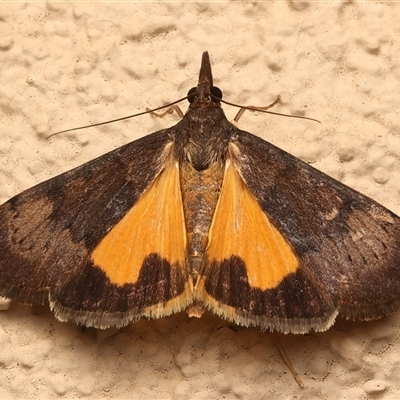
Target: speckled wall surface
(69,64)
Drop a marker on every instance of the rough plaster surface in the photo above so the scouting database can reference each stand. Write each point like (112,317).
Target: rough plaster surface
(69,64)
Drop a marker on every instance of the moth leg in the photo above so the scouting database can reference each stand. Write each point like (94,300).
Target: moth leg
(287,361)
(169,110)
(254,108)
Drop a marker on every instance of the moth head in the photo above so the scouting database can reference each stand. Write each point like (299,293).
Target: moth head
(205,94)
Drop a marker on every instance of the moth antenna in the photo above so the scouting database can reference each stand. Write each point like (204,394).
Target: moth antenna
(172,108)
(120,119)
(261,109)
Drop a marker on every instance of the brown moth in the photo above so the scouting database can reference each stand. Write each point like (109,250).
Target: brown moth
(198,216)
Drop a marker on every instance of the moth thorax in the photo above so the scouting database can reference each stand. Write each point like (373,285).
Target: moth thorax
(204,138)
(201,155)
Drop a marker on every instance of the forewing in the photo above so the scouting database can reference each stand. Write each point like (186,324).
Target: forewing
(312,248)
(77,238)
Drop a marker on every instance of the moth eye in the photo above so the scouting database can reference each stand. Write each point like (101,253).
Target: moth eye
(191,94)
(216,93)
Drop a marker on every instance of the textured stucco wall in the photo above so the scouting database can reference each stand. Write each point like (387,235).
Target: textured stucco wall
(70,64)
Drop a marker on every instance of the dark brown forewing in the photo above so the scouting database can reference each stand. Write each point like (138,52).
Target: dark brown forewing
(348,244)
(48,232)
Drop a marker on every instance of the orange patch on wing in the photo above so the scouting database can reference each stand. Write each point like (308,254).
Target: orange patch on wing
(241,228)
(155,224)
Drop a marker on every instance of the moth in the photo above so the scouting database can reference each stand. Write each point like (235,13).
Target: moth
(199,216)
